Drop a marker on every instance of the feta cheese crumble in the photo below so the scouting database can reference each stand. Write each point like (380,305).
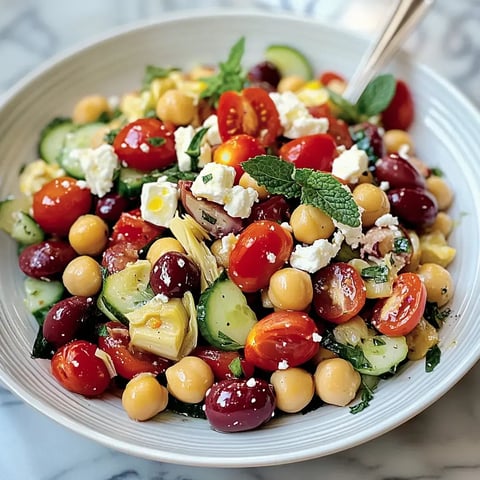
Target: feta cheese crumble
(387,220)
(238,201)
(350,164)
(183,137)
(353,235)
(158,202)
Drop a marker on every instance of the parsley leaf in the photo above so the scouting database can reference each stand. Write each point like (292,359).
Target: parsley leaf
(229,77)
(377,273)
(235,366)
(156,141)
(174,174)
(354,354)
(402,245)
(367,387)
(434,315)
(432,359)
(227,342)
(109,137)
(194,150)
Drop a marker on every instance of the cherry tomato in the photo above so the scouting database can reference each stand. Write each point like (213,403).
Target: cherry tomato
(401,111)
(400,313)
(282,339)
(220,362)
(146,144)
(236,150)
(128,362)
(262,248)
(116,257)
(252,112)
(338,292)
(326,77)
(59,203)
(337,128)
(78,369)
(312,151)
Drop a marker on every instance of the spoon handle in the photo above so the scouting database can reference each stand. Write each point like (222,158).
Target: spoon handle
(404,17)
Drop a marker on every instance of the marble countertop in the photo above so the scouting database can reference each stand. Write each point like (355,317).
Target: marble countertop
(441,443)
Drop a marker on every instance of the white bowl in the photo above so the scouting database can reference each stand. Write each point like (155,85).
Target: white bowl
(446,136)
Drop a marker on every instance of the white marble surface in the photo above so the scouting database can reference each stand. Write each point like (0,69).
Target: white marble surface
(441,443)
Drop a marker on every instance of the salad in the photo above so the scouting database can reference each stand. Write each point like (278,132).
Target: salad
(234,244)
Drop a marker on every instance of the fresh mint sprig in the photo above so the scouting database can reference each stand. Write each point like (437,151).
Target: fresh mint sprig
(312,187)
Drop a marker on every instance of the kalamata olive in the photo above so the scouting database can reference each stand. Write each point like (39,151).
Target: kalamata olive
(414,206)
(66,318)
(274,208)
(367,137)
(173,274)
(264,72)
(110,207)
(46,259)
(236,405)
(398,172)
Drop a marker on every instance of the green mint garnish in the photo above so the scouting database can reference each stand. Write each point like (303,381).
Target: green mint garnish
(194,149)
(432,359)
(156,141)
(377,273)
(230,75)
(235,367)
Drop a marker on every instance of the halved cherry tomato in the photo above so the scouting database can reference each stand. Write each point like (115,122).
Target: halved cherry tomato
(59,203)
(146,144)
(262,248)
(401,111)
(337,129)
(252,112)
(326,77)
(312,151)
(116,257)
(128,362)
(220,362)
(338,292)
(400,313)
(282,339)
(236,150)
(78,369)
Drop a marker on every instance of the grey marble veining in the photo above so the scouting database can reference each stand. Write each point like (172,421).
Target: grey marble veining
(441,443)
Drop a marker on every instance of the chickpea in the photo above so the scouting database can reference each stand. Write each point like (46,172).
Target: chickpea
(443,223)
(189,379)
(88,235)
(366,177)
(83,276)
(395,140)
(439,188)
(89,109)
(176,107)
(323,354)
(438,282)
(290,289)
(161,246)
(144,397)
(291,83)
(247,181)
(309,223)
(222,248)
(336,381)
(294,389)
(423,337)
(374,202)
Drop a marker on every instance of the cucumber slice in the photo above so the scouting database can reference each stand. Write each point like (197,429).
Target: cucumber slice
(223,315)
(52,139)
(130,181)
(9,208)
(384,354)
(25,229)
(289,61)
(41,295)
(125,291)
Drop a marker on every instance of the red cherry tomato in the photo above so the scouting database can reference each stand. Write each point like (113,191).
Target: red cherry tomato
(337,128)
(282,339)
(236,150)
(116,257)
(128,362)
(338,292)
(146,144)
(59,203)
(78,369)
(252,112)
(312,151)
(262,248)
(220,362)
(400,313)
(401,111)
(326,77)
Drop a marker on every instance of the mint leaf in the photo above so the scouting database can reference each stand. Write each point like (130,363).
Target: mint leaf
(275,174)
(377,95)
(323,191)
(193,150)
(229,77)
(347,111)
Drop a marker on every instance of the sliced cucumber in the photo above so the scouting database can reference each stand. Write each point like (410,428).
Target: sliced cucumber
(223,315)
(130,181)
(289,61)
(41,295)
(383,353)
(9,209)
(26,230)
(127,290)
(52,139)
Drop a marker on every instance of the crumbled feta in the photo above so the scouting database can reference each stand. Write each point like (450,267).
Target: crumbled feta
(228,242)
(282,365)
(99,166)
(212,136)
(214,182)
(316,256)
(387,220)
(316,337)
(295,117)
(158,202)
(353,235)
(384,185)
(350,164)
(238,201)
(404,150)
(183,137)
(251,382)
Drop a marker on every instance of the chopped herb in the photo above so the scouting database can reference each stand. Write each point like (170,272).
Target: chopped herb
(208,218)
(194,149)
(228,342)
(434,315)
(230,75)
(235,367)
(432,359)
(377,273)
(377,341)
(101,330)
(174,174)
(207,178)
(402,245)
(109,137)
(152,72)
(41,347)
(104,117)
(367,387)
(436,171)
(156,141)
(354,354)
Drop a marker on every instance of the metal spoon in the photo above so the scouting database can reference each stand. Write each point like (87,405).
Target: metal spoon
(402,20)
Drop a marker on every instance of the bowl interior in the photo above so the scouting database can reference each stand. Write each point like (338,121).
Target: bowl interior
(445,137)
